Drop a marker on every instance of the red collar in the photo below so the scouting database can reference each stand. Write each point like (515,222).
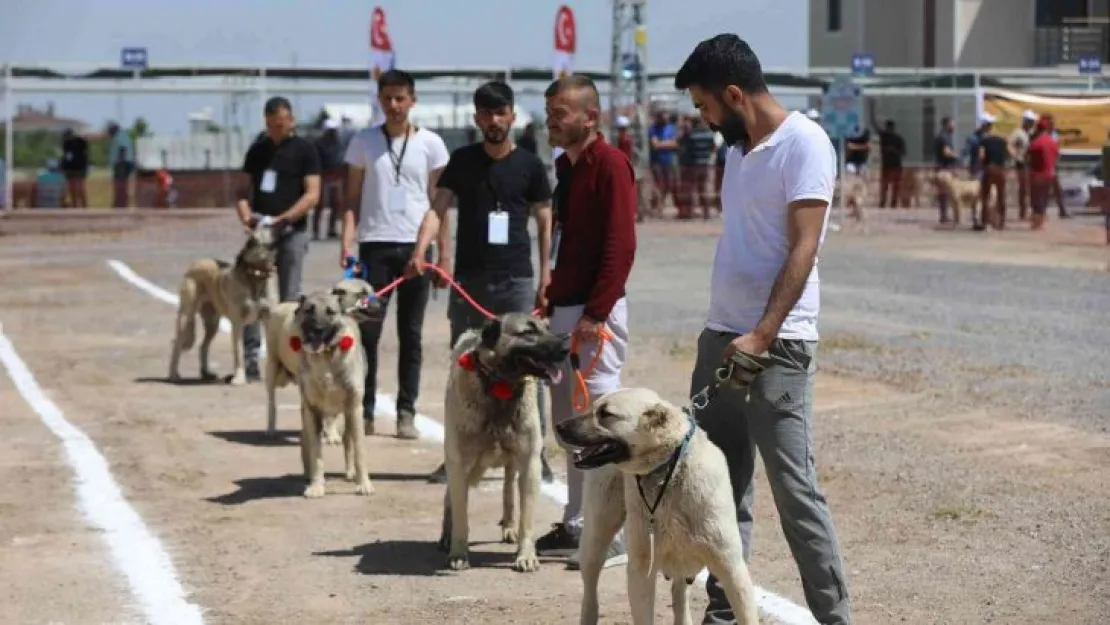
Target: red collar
(495,386)
(345,343)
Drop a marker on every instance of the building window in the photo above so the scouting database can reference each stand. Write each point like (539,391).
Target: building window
(834,16)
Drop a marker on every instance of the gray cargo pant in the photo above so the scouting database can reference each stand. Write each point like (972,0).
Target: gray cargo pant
(292,248)
(605,378)
(777,419)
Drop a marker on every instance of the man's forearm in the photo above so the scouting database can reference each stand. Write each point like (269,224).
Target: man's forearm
(243,207)
(348,232)
(787,289)
(429,229)
(301,207)
(543,238)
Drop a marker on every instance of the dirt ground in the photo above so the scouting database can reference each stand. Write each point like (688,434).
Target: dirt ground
(924,501)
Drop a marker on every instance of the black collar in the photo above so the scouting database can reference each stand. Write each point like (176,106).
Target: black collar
(670,465)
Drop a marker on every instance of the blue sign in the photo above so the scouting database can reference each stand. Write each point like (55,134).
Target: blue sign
(863,64)
(133,58)
(1090,64)
(842,109)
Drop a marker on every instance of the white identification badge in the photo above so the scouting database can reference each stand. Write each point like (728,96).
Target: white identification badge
(398,199)
(499,228)
(269,181)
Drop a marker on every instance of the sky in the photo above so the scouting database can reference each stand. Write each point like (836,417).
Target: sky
(83,34)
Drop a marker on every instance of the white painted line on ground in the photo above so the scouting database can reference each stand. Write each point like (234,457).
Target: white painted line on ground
(134,550)
(786,611)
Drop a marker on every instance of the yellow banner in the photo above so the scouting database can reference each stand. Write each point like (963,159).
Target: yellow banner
(1082,121)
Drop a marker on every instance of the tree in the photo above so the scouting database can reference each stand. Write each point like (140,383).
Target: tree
(139,128)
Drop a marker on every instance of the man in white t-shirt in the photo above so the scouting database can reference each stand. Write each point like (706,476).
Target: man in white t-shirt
(764,299)
(393,170)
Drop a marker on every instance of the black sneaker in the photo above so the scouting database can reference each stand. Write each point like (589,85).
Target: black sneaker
(558,542)
(253,374)
(439,476)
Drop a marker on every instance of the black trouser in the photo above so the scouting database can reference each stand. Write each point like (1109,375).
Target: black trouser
(385,262)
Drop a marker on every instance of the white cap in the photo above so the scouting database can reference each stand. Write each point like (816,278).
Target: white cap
(813,114)
(623,122)
(331,122)
(1029,116)
(986,118)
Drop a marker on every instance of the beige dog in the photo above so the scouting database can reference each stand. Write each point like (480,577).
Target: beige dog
(216,290)
(854,188)
(492,420)
(330,373)
(672,495)
(282,362)
(961,192)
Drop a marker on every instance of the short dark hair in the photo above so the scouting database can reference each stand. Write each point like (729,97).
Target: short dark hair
(397,78)
(493,95)
(719,62)
(576,82)
(944,120)
(275,104)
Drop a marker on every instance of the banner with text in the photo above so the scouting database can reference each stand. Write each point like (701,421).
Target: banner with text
(381,60)
(1082,121)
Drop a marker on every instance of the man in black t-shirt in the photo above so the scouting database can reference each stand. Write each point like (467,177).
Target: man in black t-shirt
(994,153)
(945,158)
(498,187)
(892,149)
(283,186)
(75,166)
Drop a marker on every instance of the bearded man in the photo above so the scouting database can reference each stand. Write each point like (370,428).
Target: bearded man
(498,188)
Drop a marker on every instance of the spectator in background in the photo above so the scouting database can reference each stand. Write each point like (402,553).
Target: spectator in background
(994,152)
(858,152)
(1041,156)
(624,136)
(121,160)
(698,148)
(527,140)
(75,166)
(330,149)
(663,155)
(892,149)
(1019,143)
(49,190)
(944,158)
(1057,190)
(971,146)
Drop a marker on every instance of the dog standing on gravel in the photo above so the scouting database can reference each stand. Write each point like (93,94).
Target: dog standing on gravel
(330,373)
(671,492)
(961,192)
(215,289)
(282,363)
(492,420)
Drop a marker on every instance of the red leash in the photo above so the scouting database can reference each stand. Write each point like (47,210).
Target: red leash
(581,396)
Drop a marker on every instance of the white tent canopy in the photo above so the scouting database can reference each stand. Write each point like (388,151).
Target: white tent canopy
(428,115)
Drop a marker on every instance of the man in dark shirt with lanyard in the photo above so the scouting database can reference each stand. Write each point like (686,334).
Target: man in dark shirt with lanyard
(284,172)
(498,187)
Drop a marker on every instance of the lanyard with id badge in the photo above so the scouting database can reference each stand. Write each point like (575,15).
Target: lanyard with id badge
(398,200)
(498,230)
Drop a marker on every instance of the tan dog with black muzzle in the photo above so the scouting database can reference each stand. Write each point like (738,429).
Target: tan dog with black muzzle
(331,373)
(214,289)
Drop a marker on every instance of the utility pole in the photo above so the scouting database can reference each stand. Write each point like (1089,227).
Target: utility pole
(629,81)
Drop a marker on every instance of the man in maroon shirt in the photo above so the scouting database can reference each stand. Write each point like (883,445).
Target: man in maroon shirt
(595,243)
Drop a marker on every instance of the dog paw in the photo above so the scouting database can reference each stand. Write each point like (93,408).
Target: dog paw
(508,534)
(444,544)
(458,562)
(207,376)
(314,491)
(239,379)
(331,437)
(174,376)
(526,563)
(364,488)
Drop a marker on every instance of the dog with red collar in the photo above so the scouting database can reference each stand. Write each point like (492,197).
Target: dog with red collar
(492,420)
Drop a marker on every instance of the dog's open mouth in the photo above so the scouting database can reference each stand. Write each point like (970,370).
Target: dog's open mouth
(551,373)
(601,454)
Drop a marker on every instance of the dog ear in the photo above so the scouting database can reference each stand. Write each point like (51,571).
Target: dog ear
(656,416)
(491,332)
(300,303)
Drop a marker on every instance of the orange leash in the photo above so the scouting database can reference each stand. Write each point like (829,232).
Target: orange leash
(580,398)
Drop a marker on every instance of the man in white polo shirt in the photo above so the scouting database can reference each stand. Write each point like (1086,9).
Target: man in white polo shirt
(393,169)
(763,301)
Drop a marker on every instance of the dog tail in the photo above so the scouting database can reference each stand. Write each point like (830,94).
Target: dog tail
(187,314)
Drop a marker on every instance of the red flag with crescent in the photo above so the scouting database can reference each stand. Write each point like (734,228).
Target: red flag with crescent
(566,34)
(379,34)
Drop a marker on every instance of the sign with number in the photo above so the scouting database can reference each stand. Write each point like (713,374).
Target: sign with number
(1090,64)
(133,58)
(863,64)
(842,109)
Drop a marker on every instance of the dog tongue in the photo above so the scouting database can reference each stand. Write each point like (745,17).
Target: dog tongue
(555,374)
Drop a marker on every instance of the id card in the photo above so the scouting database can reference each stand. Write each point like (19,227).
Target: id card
(269,181)
(499,228)
(398,199)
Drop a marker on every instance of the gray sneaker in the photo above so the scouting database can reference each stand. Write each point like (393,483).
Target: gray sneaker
(615,556)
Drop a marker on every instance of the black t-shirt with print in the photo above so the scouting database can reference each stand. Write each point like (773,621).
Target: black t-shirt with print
(515,182)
